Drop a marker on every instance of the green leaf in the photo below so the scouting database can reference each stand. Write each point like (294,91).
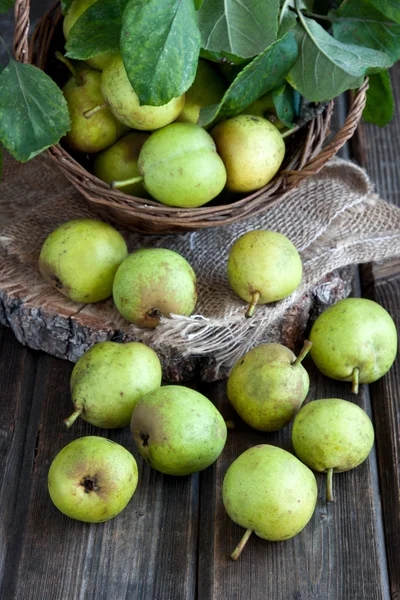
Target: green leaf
(65,4)
(223,57)
(358,22)
(266,72)
(97,30)
(33,111)
(325,67)
(379,108)
(160,45)
(390,8)
(287,21)
(283,99)
(244,28)
(5,5)
(1,162)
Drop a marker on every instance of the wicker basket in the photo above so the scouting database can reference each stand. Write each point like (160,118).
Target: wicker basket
(304,156)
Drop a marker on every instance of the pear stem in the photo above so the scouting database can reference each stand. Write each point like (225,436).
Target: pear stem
(290,131)
(71,420)
(118,184)
(303,353)
(69,65)
(329,494)
(92,111)
(238,550)
(230,424)
(252,306)
(356,380)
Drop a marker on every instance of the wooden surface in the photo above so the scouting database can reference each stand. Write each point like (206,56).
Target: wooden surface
(174,539)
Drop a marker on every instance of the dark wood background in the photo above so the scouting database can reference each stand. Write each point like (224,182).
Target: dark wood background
(174,539)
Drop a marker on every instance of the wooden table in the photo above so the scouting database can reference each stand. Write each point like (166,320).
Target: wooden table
(174,539)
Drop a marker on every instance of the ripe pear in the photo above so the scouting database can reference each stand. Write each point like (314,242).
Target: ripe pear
(108,380)
(77,8)
(124,102)
(252,150)
(180,166)
(207,88)
(354,340)
(120,161)
(92,479)
(268,385)
(177,430)
(269,491)
(332,435)
(80,259)
(263,267)
(152,282)
(264,107)
(82,92)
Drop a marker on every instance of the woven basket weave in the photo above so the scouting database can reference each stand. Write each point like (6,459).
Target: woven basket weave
(305,154)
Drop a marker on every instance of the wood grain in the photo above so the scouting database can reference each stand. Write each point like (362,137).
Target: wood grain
(148,551)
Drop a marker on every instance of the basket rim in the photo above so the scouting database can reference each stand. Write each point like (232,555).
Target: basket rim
(307,159)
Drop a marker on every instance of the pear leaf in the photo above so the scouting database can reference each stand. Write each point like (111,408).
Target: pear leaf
(358,22)
(284,102)
(5,5)
(33,111)
(390,8)
(379,108)
(265,72)
(65,4)
(97,30)
(326,67)
(160,45)
(241,28)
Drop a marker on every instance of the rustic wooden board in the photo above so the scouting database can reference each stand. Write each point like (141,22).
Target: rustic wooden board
(381,282)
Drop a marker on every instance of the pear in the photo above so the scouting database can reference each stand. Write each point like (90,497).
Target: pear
(153,282)
(177,430)
(269,491)
(80,259)
(252,150)
(264,107)
(120,161)
(263,267)
(77,8)
(124,102)
(92,479)
(268,385)
(354,340)
(180,166)
(108,380)
(207,88)
(101,129)
(332,435)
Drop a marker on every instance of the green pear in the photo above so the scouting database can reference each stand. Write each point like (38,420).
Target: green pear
(252,150)
(80,259)
(264,107)
(269,491)
(108,380)
(124,102)
(263,267)
(92,479)
(180,166)
(268,385)
(354,340)
(207,88)
(177,430)
(77,8)
(332,435)
(82,92)
(120,161)
(153,282)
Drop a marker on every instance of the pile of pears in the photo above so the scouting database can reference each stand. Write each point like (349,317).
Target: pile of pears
(161,152)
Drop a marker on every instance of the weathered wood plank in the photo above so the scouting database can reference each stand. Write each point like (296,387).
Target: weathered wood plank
(17,368)
(148,551)
(381,282)
(338,555)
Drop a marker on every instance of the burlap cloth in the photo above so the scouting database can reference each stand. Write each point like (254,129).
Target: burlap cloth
(334,219)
